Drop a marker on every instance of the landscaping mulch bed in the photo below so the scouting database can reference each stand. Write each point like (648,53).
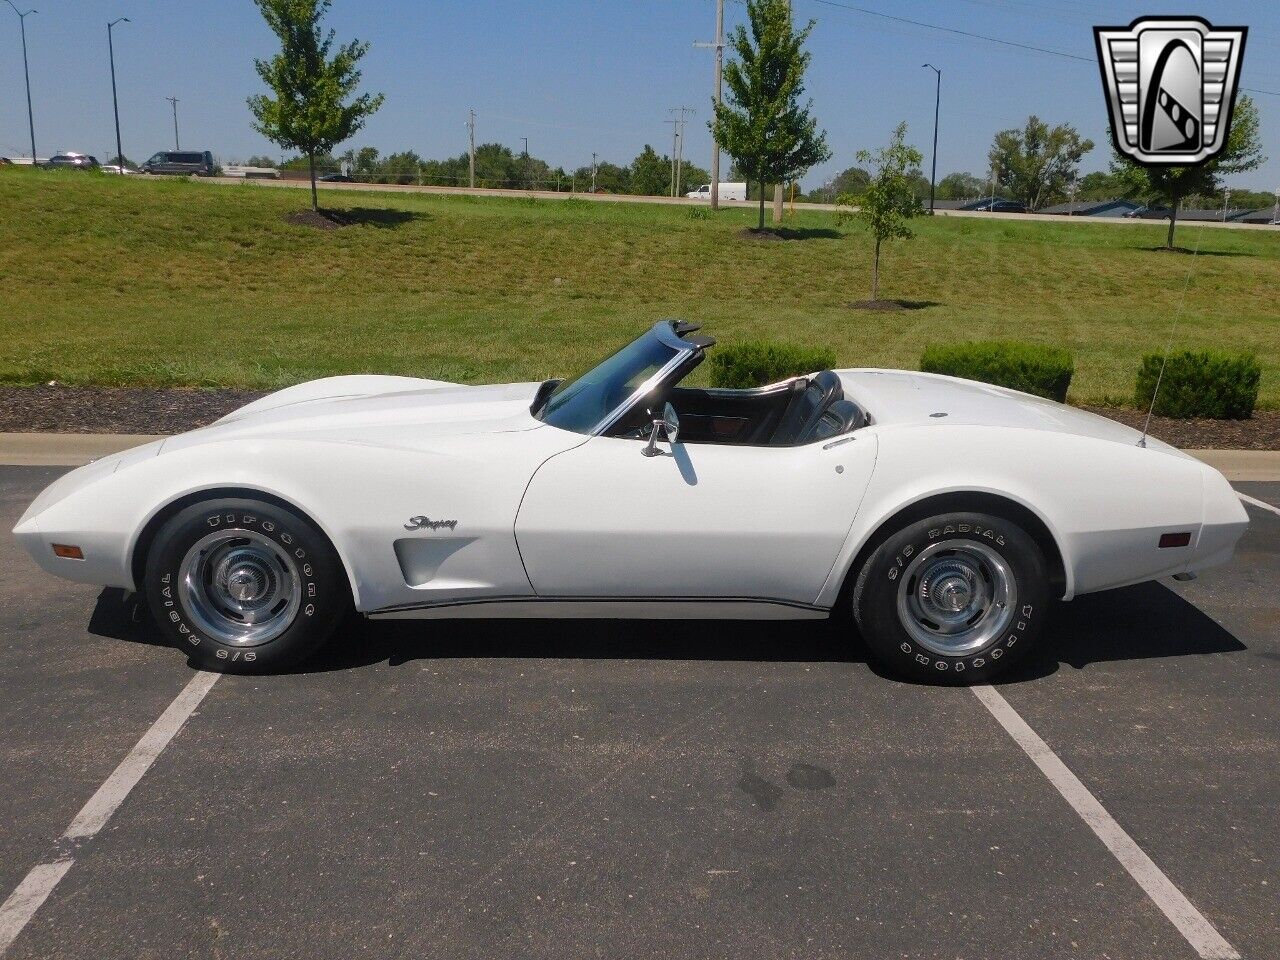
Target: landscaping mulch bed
(1259,432)
(891,305)
(59,409)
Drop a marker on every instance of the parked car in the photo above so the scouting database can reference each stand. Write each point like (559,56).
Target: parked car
(728,191)
(947,516)
(181,162)
(73,161)
(335,178)
(118,169)
(1001,206)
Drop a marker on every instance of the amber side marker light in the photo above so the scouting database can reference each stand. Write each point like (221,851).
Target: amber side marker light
(1175,539)
(68,551)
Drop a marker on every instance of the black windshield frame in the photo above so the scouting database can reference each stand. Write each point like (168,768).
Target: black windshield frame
(594,401)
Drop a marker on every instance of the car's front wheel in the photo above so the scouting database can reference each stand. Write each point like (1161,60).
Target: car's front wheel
(957,597)
(244,585)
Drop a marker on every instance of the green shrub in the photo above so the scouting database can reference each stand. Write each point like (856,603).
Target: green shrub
(755,363)
(1029,367)
(1201,383)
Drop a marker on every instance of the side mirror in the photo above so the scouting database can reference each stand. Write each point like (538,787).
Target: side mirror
(669,425)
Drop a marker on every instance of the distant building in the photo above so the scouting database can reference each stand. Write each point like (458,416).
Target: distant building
(1193,214)
(1000,205)
(1094,208)
(1266,215)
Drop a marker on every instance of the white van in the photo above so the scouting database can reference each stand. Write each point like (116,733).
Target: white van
(728,191)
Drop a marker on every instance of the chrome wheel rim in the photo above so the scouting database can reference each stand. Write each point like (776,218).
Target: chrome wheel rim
(955,597)
(239,587)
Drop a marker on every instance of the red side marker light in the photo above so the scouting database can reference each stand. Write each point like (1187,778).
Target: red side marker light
(68,551)
(1175,539)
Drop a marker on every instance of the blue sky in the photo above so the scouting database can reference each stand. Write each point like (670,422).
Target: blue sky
(577,76)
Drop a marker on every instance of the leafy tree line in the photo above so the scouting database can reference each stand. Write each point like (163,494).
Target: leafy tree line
(649,174)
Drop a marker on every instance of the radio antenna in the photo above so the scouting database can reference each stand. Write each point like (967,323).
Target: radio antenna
(1168,345)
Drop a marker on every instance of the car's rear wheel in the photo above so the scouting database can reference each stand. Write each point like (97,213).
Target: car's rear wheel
(244,585)
(958,597)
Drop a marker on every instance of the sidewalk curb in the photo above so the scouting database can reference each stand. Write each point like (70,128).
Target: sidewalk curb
(76,449)
(64,449)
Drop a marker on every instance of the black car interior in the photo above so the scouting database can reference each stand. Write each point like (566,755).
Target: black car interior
(786,414)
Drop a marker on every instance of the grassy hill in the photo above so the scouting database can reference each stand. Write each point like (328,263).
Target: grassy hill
(120,281)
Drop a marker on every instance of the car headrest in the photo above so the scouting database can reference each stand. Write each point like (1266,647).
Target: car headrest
(806,409)
(841,417)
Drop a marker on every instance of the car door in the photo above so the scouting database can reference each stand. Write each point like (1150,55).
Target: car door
(699,520)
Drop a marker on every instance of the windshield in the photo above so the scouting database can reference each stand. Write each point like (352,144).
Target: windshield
(583,403)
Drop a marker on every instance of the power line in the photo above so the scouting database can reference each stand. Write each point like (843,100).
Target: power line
(989,39)
(962,33)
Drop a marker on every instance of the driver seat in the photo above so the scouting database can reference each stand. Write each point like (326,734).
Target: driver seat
(805,411)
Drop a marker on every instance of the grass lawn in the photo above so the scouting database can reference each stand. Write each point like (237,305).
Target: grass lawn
(115,281)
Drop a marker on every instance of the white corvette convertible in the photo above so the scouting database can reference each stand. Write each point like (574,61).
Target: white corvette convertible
(944,515)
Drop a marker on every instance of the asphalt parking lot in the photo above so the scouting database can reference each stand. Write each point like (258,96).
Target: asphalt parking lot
(603,789)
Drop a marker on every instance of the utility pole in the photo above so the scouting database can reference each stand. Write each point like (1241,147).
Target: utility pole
(525,154)
(1275,213)
(176,144)
(718,45)
(1226,192)
(675,135)
(26,73)
(471,135)
(937,101)
(115,103)
(593,171)
(677,147)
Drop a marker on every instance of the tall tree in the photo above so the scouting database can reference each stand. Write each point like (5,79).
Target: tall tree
(1173,185)
(1038,161)
(311,110)
(892,197)
(961,186)
(650,173)
(850,180)
(763,125)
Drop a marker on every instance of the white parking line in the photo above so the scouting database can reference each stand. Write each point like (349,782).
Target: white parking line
(16,912)
(1198,931)
(1262,504)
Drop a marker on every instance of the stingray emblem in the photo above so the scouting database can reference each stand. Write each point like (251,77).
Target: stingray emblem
(1171,86)
(426,523)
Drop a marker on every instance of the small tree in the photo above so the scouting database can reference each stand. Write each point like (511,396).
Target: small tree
(1173,185)
(310,111)
(1038,161)
(763,125)
(890,200)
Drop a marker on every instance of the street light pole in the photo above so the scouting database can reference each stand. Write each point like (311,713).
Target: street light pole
(593,172)
(115,103)
(26,73)
(937,102)
(176,144)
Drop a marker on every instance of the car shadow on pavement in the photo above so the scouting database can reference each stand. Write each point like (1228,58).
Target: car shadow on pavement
(364,642)
(1141,622)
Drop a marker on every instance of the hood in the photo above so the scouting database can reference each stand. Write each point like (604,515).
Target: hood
(900,397)
(340,415)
